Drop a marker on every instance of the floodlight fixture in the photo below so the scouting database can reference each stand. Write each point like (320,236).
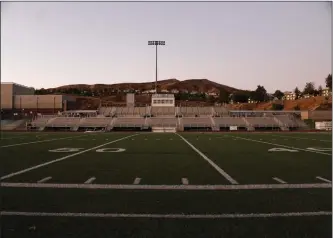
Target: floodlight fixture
(156,43)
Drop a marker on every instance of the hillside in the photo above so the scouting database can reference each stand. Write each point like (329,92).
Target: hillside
(313,103)
(107,94)
(199,85)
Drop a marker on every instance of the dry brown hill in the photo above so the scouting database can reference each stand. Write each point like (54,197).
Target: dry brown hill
(200,85)
(313,103)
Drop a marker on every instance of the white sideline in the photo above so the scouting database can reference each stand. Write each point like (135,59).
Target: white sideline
(137,180)
(44,180)
(215,166)
(302,138)
(323,179)
(286,146)
(62,158)
(279,180)
(165,187)
(90,180)
(39,141)
(170,216)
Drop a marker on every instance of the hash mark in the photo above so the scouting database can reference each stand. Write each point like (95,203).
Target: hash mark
(44,180)
(137,180)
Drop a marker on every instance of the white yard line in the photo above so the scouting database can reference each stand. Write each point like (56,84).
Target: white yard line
(62,158)
(302,138)
(185,181)
(40,141)
(279,180)
(323,179)
(90,180)
(166,187)
(44,180)
(12,138)
(286,146)
(215,166)
(137,180)
(169,216)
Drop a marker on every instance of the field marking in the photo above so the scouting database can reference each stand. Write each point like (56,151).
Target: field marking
(62,158)
(279,180)
(44,180)
(23,136)
(215,166)
(185,181)
(13,138)
(302,138)
(90,180)
(165,187)
(169,216)
(137,180)
(323,179)
(39,141)
(286,146)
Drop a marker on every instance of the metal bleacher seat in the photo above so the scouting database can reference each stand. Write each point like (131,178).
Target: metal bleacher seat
(63,122)
(162,122)
(262,121)
(163,111)
(95,122)
(205,111)
(196,122)
(229,121)
(189,111)
(129,122)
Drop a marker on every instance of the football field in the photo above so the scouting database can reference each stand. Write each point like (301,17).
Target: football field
(166,184)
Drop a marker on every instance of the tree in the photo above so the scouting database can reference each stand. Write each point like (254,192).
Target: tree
(260,94)
(328,81)
(309,88)
(277,106)
(297,92)
(278,94)
(211,99)
(320,90)
(224,96)
(240,97)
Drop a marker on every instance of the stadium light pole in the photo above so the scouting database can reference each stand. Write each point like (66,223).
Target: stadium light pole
(156,43)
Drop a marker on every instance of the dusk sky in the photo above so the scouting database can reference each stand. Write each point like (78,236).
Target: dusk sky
(277,45)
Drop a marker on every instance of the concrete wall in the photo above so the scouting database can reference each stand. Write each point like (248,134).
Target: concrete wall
(130,99)
(8,92)
(38,101)
(320,115)
(305,115)
(6,96)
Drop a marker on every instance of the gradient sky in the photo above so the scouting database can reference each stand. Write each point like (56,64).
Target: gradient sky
(278,45)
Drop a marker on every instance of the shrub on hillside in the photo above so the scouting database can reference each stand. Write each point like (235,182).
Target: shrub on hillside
(277,106)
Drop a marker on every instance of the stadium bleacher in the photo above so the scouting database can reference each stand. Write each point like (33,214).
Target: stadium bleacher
(262,121)
(125,122)
(196,122)
(216,118)
(95,122)
(63,122)
(230,121)
(163,111)
(162,121)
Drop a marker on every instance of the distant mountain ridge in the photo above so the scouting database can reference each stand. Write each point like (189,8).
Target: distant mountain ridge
(198,85)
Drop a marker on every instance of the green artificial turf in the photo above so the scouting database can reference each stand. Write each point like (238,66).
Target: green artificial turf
(164,159)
